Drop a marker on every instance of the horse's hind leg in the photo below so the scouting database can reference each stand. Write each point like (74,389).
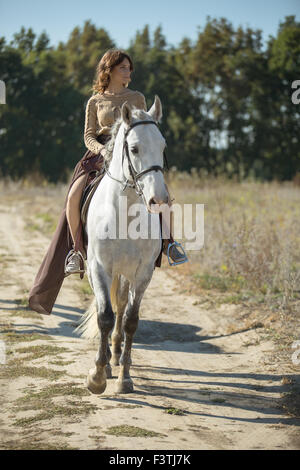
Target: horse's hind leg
(130,323)
(120,300)
(97,376)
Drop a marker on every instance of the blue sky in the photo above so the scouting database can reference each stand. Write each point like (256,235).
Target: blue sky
(178,18)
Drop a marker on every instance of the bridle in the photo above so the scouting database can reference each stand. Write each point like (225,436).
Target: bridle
(134,174)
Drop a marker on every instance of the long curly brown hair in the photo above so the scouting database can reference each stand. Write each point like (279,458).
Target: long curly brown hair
(109,60)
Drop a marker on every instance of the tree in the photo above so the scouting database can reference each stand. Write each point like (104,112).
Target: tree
(82,51)
(227,104)
(40,123)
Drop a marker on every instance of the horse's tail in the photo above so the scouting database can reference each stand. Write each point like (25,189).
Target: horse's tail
(88,324)
(113,293)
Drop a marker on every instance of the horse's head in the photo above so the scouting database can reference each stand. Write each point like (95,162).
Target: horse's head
(143,156)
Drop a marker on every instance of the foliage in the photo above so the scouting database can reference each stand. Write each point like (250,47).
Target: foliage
(226,98)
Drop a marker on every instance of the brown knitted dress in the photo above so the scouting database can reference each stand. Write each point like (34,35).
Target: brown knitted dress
(101,112)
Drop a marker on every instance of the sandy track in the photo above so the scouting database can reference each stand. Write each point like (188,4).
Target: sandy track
(196,386)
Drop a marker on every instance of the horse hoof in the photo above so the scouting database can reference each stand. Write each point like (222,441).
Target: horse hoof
(108,371)
(124,386)
(94,386)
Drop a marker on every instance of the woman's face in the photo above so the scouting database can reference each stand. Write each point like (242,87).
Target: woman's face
(120,74)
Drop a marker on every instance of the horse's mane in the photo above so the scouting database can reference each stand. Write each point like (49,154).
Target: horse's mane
(137,115)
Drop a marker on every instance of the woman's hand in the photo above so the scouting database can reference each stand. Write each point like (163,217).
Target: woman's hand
(99,163)
(104,152)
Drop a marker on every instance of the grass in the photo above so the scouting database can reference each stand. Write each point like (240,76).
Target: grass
(131,431)
(36,352)
(61,362)
(23,301)
(48,221)
(251,235)
(34,443)
(26,314)
(54,411)
(53,390)
(41,222)
(218,400)
(13,336)
(42,401)
(250,258)
(16,368)
(221,283)
(174,411)
(84,288)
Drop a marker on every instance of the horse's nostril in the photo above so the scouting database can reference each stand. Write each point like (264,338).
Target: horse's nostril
(158,202)
(152,201)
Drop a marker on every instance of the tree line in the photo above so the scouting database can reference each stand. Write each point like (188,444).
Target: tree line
(227,98)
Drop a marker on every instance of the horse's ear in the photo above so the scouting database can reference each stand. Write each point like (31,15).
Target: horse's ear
(156,109)
(126,113)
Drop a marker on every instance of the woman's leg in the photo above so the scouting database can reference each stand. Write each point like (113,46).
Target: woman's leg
(167,220)
(167,234)
(73,205)
(74,262)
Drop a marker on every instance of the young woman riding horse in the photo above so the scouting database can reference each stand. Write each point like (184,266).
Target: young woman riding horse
(66,252)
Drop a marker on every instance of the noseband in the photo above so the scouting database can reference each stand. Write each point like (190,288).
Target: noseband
(134,174)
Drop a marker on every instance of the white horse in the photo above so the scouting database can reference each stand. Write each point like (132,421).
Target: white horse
(121,267)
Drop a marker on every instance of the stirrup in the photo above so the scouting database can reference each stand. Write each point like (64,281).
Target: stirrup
(174,263)
(80,271)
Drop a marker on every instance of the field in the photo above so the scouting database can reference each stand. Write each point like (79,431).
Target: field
(214,362)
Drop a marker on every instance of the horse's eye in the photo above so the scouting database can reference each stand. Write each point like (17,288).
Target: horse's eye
(134,150)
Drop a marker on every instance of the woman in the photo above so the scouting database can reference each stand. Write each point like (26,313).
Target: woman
(66,253)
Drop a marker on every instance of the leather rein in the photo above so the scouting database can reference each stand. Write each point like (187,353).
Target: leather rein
(134,174)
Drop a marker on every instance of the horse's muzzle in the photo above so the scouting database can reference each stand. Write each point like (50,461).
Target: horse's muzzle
(156,206)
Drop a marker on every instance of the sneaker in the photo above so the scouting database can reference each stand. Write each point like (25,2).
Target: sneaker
(73,263)
(178,257)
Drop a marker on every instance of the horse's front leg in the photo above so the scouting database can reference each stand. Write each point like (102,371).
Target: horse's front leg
(129,324)
(121,298)
(96,380)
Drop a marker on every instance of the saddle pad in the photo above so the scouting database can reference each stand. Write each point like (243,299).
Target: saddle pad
(87,196)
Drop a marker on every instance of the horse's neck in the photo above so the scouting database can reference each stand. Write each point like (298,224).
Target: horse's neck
(115,167)
(116,170)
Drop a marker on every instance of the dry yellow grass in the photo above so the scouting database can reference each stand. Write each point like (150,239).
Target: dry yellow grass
(251,232)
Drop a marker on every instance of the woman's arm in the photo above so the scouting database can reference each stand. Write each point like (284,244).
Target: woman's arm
(90,126)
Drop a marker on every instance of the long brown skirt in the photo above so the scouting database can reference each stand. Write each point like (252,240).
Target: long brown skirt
(50,276)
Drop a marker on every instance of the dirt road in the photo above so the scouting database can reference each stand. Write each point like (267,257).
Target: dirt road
(196,385)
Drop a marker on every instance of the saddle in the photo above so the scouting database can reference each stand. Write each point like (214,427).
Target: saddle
(81,236)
